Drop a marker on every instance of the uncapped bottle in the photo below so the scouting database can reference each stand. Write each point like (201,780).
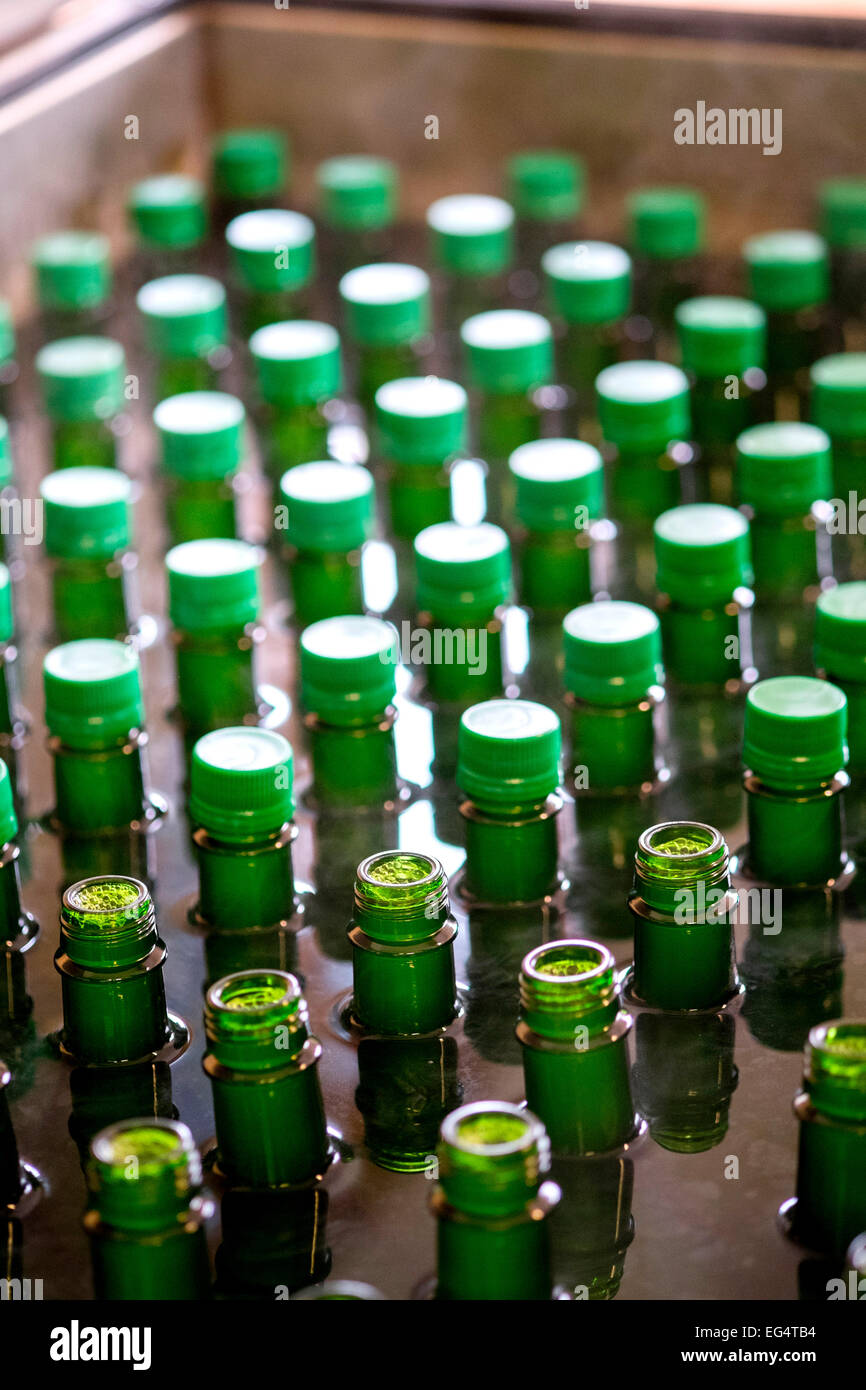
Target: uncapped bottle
(82,381)
(185,330)
(73,275)
(386,307)
(201,440)
(325,516)
(298,369)
(88,538)
(273,258)
(840,656)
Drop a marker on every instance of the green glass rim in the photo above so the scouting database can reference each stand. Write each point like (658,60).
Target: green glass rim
(567,951)
(526,1128)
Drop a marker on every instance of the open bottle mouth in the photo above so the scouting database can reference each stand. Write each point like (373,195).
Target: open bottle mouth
(573,961)
(107,900)
(401,894)
(251,991)
(678,855)
(133,1144)
(256,1016)
(491,1128)
(397,871)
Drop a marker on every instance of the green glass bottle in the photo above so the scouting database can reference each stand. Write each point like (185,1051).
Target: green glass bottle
(508,775)
(842,209)
(18,929)
(667,229)
(88,539)
(723,347)
(357,198)
(614,681)
(831,1108)
(262,1064)
(783,483)
(840,656)
(492,1203)
(8,363)
(463,580)
(509,355)
(169,217)
(594,1227)
(326,514)
(589,289)
(298,369)
(559,492)
(471,240)
(146,1216)
(201,440)
(546,189)
(348,685)
(13,726)
(341,1289)
(788,274)
(250,170)
(683,907)
(95,719)
(795,751)
(110,962)
(213,604)
(573,1036)
(839,407)
(73,276)
(386,307)
(704,576)
(240,807)
(402,934)
(185,330)
(82,382)
(273,255)
(422,426)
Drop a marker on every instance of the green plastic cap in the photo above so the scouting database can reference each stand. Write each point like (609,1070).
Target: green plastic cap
(465,568)
(73,270)
(348,669)
(241,783)
(555,480)
(386,304)
(508,752)
(250,163)
(330,506)
(508,351)
(7,333)
(213,585)
(88,513)
(92,692)
(840,632)
(5,453)
(787,270)
(843,211)
(472,234)
(721,335)
(422,419)
(783,468)
(588,281)
(8,818)
(169,210)
(667,223)
(357,192)
(795,731)
(546,185)
(82,378)
(613,652)
(839,394)
(183,315)
(7,619)
(273,249)
(297,363)
(702,552)
(200,434)
(643,405)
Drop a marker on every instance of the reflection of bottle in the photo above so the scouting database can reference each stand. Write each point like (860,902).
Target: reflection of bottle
(793,977)
(147,1213)
(10,1164)
(498,941)
(273,1243)
(18,929)
(684,1077)
(298,370)
(82,383)
(342,842)
(329,516)
(201,442)
(601,870)
(185,328)
(101,1096)
(831,1195)
(492,1202)
(88,535)
(593,1227)
(405,1088)
(840,655)
(273,257)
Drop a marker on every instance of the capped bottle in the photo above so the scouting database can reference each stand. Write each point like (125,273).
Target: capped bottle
(8,360)
(589,290)
(471,239)
(88,539)
(666,236)
(298,368)
(683,908)
(422,427)
(492,1203)
(386,307)
(704,576)
(402,934)
(201,441)
(463,581)
(840,656)
(357,197)
(573,1036)
(250,170)
(12,724)
(614,681)
(325,517)
(262,1063)
(348,686)
(185,329)
(73,275)
(546,189)
(839,407)
(95,718)
(169,216)
(508,776)
(110,961)
(842,207)
(82,381)
(147,1212)
(273,257)
(559,492)
(795,751)
(213,603)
